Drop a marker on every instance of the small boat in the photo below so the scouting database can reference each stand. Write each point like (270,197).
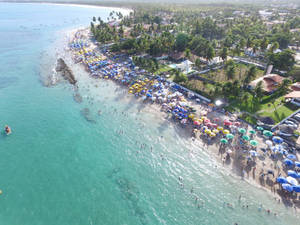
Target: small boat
(7,130)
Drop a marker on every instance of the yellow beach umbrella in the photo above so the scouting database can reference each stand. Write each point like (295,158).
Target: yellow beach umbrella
(226,131)
(220,128)
(215,131)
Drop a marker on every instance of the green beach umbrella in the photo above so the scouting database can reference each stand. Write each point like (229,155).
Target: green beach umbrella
(253,143)
(267,133)
(223,141)
(246,137)
(229,136)
(252,132)
(242,130)
(259,128)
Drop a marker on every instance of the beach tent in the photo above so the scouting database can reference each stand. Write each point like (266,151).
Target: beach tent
(287,187)
(292,181)
(281,180)
(292,173)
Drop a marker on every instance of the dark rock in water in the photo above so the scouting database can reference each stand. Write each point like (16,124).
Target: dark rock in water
(7,81)
(65,71)
(87,115)
(77,97)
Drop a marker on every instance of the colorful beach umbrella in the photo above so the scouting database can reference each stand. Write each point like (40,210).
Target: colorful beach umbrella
(292,181)
(226,131)
(253,143)
(288,162)
(242,130)
(230,136)
(277,140)
(259,128)
(287,187)
(269,143)
(252,132)
(296,188)
(281,180)
(223,141)
(291,156)
(267,133)
(253,153)
(292,173)
(220,128)
(246,137)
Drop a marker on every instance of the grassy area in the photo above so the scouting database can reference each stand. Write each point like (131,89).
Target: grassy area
(280,112)
(220,75)
(162,69)
(200,87)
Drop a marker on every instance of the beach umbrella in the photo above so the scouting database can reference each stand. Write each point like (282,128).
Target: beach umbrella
(281,180)
(277,140)
(223,141)
(267,133)
(269,143)
(253,153)
(220,128)
(197,123)
(226,131)
(297,164)
(292,181)
(214,125)
(288,162)
(246,137)
(242,130)
(227,123)
(229,151)
(253,143)
(237,123)
(259,128)
(230,136)
(215,131)
(287,187)
(296,188)
(291,156)
(252,132)
(292,173)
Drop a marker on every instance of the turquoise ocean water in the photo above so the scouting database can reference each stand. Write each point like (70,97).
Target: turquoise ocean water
(66,165)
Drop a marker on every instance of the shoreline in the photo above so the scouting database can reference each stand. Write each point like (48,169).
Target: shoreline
(233,168)
(80,4)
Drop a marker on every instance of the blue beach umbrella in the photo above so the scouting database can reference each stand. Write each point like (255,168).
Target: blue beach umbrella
(292,173)
(253,153)
(291,156)
(281,180)
(297,164)
(287,187)
(288,162)
(296,188)
(277,140)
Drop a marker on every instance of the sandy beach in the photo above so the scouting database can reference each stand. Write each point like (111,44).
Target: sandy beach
(260,171)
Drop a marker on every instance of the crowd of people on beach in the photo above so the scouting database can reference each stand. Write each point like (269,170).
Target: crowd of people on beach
(236,139)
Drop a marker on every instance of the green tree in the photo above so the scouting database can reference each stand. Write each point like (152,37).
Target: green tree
(224,53)
(210,54)
(274,46)
(181,41)
(187,53)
